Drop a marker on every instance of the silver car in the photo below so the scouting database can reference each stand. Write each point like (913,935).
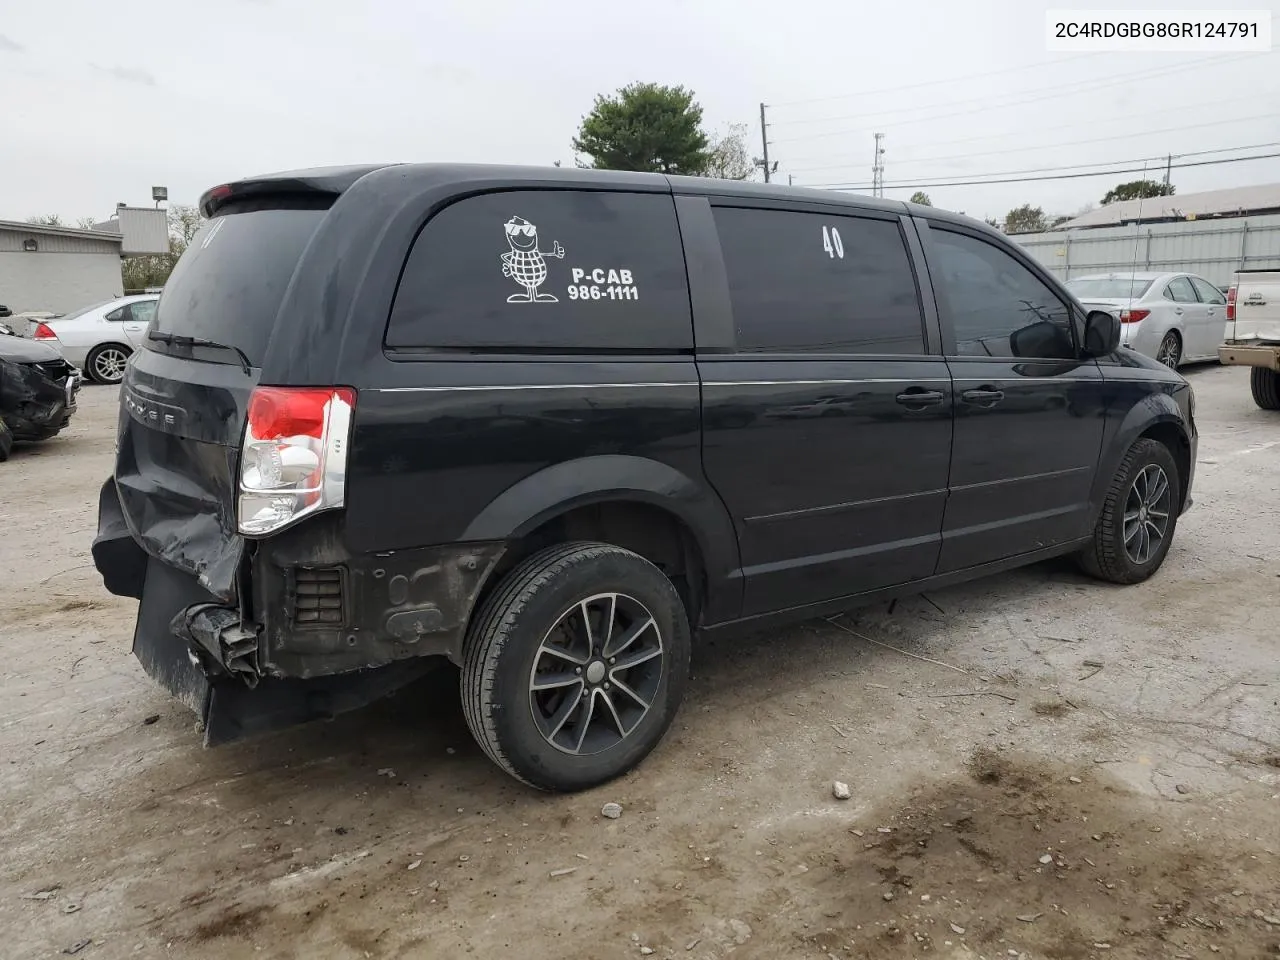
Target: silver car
(1174,317)
(99,339)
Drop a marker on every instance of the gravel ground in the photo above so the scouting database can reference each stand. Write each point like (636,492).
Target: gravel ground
(1074,771)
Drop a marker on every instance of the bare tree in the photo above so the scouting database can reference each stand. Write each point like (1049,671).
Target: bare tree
(727,154)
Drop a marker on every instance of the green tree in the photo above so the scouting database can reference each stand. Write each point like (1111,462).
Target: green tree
(47,220)
(921,198)
(1025,219)
(645,126)
(992,222)
(1137,190)
(86,223)
(727,155)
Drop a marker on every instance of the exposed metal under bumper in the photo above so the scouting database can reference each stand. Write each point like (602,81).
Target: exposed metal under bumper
(216,631)
(228,707)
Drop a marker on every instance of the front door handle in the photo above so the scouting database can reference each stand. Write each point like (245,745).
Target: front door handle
(919,398)
(983,396)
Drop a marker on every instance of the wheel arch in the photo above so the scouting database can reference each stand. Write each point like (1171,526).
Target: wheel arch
(644,505)
(1157,417)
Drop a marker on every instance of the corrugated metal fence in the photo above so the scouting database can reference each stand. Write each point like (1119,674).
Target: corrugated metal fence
(1213,249)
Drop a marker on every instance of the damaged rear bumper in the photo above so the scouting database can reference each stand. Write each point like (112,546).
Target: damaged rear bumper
(312,632)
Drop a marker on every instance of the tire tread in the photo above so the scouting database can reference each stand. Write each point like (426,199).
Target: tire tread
(1265,386)
(1102,557)
(491,630)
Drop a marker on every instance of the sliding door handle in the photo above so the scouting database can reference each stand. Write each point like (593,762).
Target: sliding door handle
(919,398)
(983,396)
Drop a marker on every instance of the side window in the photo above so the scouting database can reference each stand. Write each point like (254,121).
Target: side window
(998,307)
(1208,292)
(819,283)
(115,315)
(143,311)
(546,270)
(1180,290)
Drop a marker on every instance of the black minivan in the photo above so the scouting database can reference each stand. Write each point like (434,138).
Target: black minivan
(553,424)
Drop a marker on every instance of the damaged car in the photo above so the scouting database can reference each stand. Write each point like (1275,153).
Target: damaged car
(38,389)
(552,425)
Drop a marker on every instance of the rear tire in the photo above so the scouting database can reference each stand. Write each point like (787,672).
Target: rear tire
(575,666)
(105,363)
(6,441)
(1170,350)
(1265,385)
(1136,512)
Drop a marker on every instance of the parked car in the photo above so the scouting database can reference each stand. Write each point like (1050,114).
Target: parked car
(1253,333)
(99,339)
(1174,317)
(528,420)
(37,391)
(24,324)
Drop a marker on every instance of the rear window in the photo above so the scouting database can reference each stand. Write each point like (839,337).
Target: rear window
(228,285)
(1108,288)
(566,271)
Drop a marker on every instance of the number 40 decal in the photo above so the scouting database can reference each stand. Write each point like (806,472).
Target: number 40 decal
(832,243)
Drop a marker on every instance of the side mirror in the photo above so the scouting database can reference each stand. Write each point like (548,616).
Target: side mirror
(1101,333)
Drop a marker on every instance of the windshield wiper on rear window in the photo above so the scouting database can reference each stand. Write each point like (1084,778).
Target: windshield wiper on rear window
(178,340)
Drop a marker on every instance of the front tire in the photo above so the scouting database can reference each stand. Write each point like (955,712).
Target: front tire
(1265,385)
(575,666)
(106,363)
(1138,518)
(1170,350)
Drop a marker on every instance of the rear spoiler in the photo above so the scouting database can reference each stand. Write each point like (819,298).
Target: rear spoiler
(330,182)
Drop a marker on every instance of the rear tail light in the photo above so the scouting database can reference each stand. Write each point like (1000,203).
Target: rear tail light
(293,462)
(1231,304)
(1133,316)
(44,332)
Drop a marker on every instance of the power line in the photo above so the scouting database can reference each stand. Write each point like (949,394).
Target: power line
(933,83)
(905,185)
(1059,92)
(1112,163)
(1053,146)
(1023,134)
(1065,88)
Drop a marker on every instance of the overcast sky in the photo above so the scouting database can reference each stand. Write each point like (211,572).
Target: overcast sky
(102,100)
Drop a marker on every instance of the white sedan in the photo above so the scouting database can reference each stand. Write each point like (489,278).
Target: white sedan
(99,339)
(1174,317)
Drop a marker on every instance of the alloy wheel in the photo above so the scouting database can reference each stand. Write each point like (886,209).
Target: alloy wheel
(596,674)
(109,364)
(1168,354)
(1146,513)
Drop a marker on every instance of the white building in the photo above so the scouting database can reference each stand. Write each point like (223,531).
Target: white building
(60,269)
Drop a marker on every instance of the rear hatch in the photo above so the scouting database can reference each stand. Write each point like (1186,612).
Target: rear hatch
(1256,301)
(185,395)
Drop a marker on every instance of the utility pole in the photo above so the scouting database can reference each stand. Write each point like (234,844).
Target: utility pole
(764,144)
(1168,167)
(877,169)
